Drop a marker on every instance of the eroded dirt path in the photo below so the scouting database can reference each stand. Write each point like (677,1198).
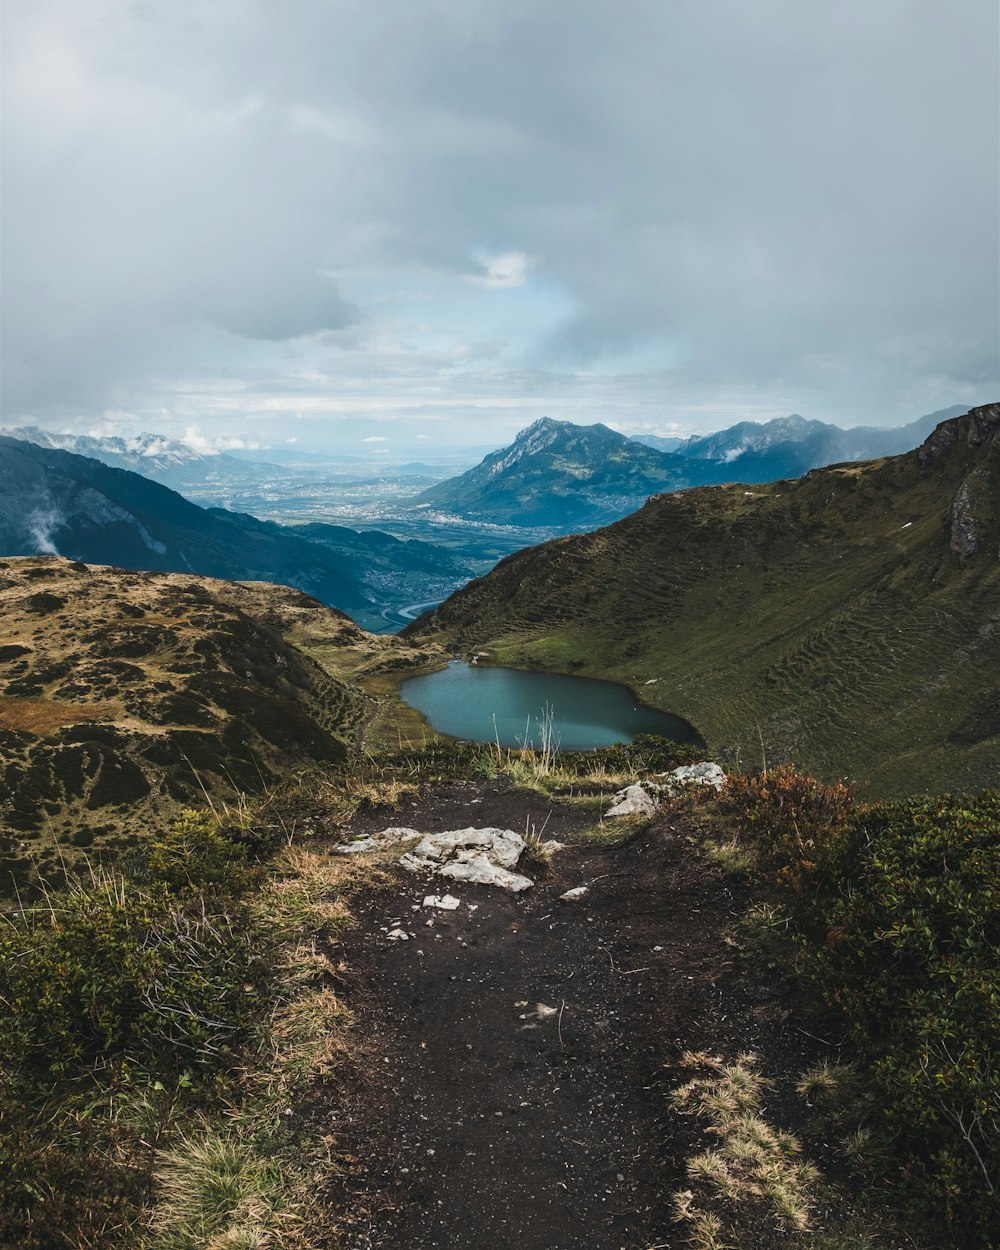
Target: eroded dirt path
(492,1121)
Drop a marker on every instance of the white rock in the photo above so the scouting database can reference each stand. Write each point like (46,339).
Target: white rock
(378,841)
(632,801)
(572,896)
(447,902)
(483,856)
(704,774)
(398,935)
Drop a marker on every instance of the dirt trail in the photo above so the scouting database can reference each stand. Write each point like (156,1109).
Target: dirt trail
(491,1123)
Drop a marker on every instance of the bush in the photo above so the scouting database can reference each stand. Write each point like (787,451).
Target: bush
(125,974)
(197,853)
(896,910)
(912,957)
(795,825)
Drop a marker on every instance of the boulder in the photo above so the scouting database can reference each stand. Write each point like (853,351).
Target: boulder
(483,856)
(704,774)
(632,801)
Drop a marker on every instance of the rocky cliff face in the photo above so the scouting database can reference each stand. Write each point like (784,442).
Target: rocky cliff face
(976,428)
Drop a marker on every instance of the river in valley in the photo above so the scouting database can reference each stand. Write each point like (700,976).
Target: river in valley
(511,707)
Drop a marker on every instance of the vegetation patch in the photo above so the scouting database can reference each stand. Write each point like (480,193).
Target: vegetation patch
(752,1175)
(161,1025)
(892,912)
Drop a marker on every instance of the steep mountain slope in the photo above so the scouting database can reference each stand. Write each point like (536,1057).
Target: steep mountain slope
(849,621)
(122,695)
(559,474)
(55,501)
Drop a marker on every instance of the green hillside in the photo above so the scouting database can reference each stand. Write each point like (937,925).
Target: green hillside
(848,621)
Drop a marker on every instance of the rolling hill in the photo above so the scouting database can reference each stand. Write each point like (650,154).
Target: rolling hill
(126,696)
(848,621)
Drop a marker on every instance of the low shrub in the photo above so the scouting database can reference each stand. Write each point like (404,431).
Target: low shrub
(67,1181)
(647,753)
(121,973)
(793,823)
(912,958)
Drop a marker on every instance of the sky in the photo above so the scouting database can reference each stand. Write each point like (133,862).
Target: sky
(392,228)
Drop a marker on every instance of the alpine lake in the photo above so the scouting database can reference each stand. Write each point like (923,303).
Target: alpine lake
(520,709)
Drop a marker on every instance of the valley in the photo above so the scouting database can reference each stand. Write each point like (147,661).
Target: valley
(264,987)
(555,478)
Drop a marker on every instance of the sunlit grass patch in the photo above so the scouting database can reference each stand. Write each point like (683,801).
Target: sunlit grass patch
(753,1172)
(307,892)
(45,716)
(731,856)
(218,1193)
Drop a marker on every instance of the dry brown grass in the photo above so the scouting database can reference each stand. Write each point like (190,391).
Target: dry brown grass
(754,1173)
(42,717)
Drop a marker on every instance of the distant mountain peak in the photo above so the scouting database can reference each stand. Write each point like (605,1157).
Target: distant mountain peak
(541,426)
(558,473)
(137,451)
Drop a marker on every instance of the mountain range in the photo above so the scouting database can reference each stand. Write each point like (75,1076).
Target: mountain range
(56,502)
(153,455)
(572,477)
(848,621)
(791,446)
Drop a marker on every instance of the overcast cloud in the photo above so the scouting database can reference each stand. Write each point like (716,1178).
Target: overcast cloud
(328,221)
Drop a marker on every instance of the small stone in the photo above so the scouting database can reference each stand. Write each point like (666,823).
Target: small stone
(574,895)
(446,902)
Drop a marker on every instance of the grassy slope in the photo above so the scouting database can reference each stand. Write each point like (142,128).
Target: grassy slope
(827,618)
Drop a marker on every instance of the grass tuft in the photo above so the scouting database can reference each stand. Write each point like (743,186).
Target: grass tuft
(754,1172)
(216,1190)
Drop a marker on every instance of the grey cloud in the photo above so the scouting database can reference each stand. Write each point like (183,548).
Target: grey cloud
(795,200)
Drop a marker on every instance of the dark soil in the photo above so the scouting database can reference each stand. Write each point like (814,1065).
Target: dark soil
(491,1124)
